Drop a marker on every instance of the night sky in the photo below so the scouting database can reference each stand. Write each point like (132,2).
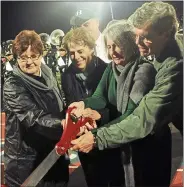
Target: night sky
(48,16)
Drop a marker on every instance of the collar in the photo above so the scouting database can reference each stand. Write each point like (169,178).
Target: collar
(151,57)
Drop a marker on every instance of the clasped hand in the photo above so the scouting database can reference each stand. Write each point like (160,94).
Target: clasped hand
(80,110)
(85,143)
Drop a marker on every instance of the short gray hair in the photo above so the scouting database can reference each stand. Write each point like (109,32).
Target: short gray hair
(160,16)
(121,33)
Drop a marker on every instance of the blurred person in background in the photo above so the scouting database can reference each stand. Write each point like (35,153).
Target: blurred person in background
(64,60)
(7,63)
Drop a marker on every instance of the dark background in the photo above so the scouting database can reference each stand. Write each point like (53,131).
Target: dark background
(48,16)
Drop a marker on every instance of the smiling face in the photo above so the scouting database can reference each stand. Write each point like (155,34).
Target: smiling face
(116,54)
(149,42)
(81,55)
(30,62)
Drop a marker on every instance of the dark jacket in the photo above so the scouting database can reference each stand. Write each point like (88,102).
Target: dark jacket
(75,89)
(33,127)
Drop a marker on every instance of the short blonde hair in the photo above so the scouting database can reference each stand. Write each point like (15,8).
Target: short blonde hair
(79,36)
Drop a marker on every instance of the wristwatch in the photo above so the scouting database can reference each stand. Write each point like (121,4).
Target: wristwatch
(94,132)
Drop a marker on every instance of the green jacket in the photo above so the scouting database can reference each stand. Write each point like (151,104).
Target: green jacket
(105,96)
(155,110)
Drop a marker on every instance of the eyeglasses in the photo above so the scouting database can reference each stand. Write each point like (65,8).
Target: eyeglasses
(25,58)
(144,39)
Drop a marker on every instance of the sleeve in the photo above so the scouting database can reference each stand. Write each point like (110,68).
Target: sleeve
(99,99)
(155,109)
(67,89)
(19,101)
(130,109)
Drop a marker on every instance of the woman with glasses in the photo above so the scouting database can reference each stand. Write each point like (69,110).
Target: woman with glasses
(34,107)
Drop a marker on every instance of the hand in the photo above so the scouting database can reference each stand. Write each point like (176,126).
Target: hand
(78,111)
(84,143)
(87,127)
(91,126)
(79,104)
(83,130)
(64,122)
(93,114)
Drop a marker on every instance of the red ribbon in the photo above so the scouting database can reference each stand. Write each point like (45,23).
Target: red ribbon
(70,132)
